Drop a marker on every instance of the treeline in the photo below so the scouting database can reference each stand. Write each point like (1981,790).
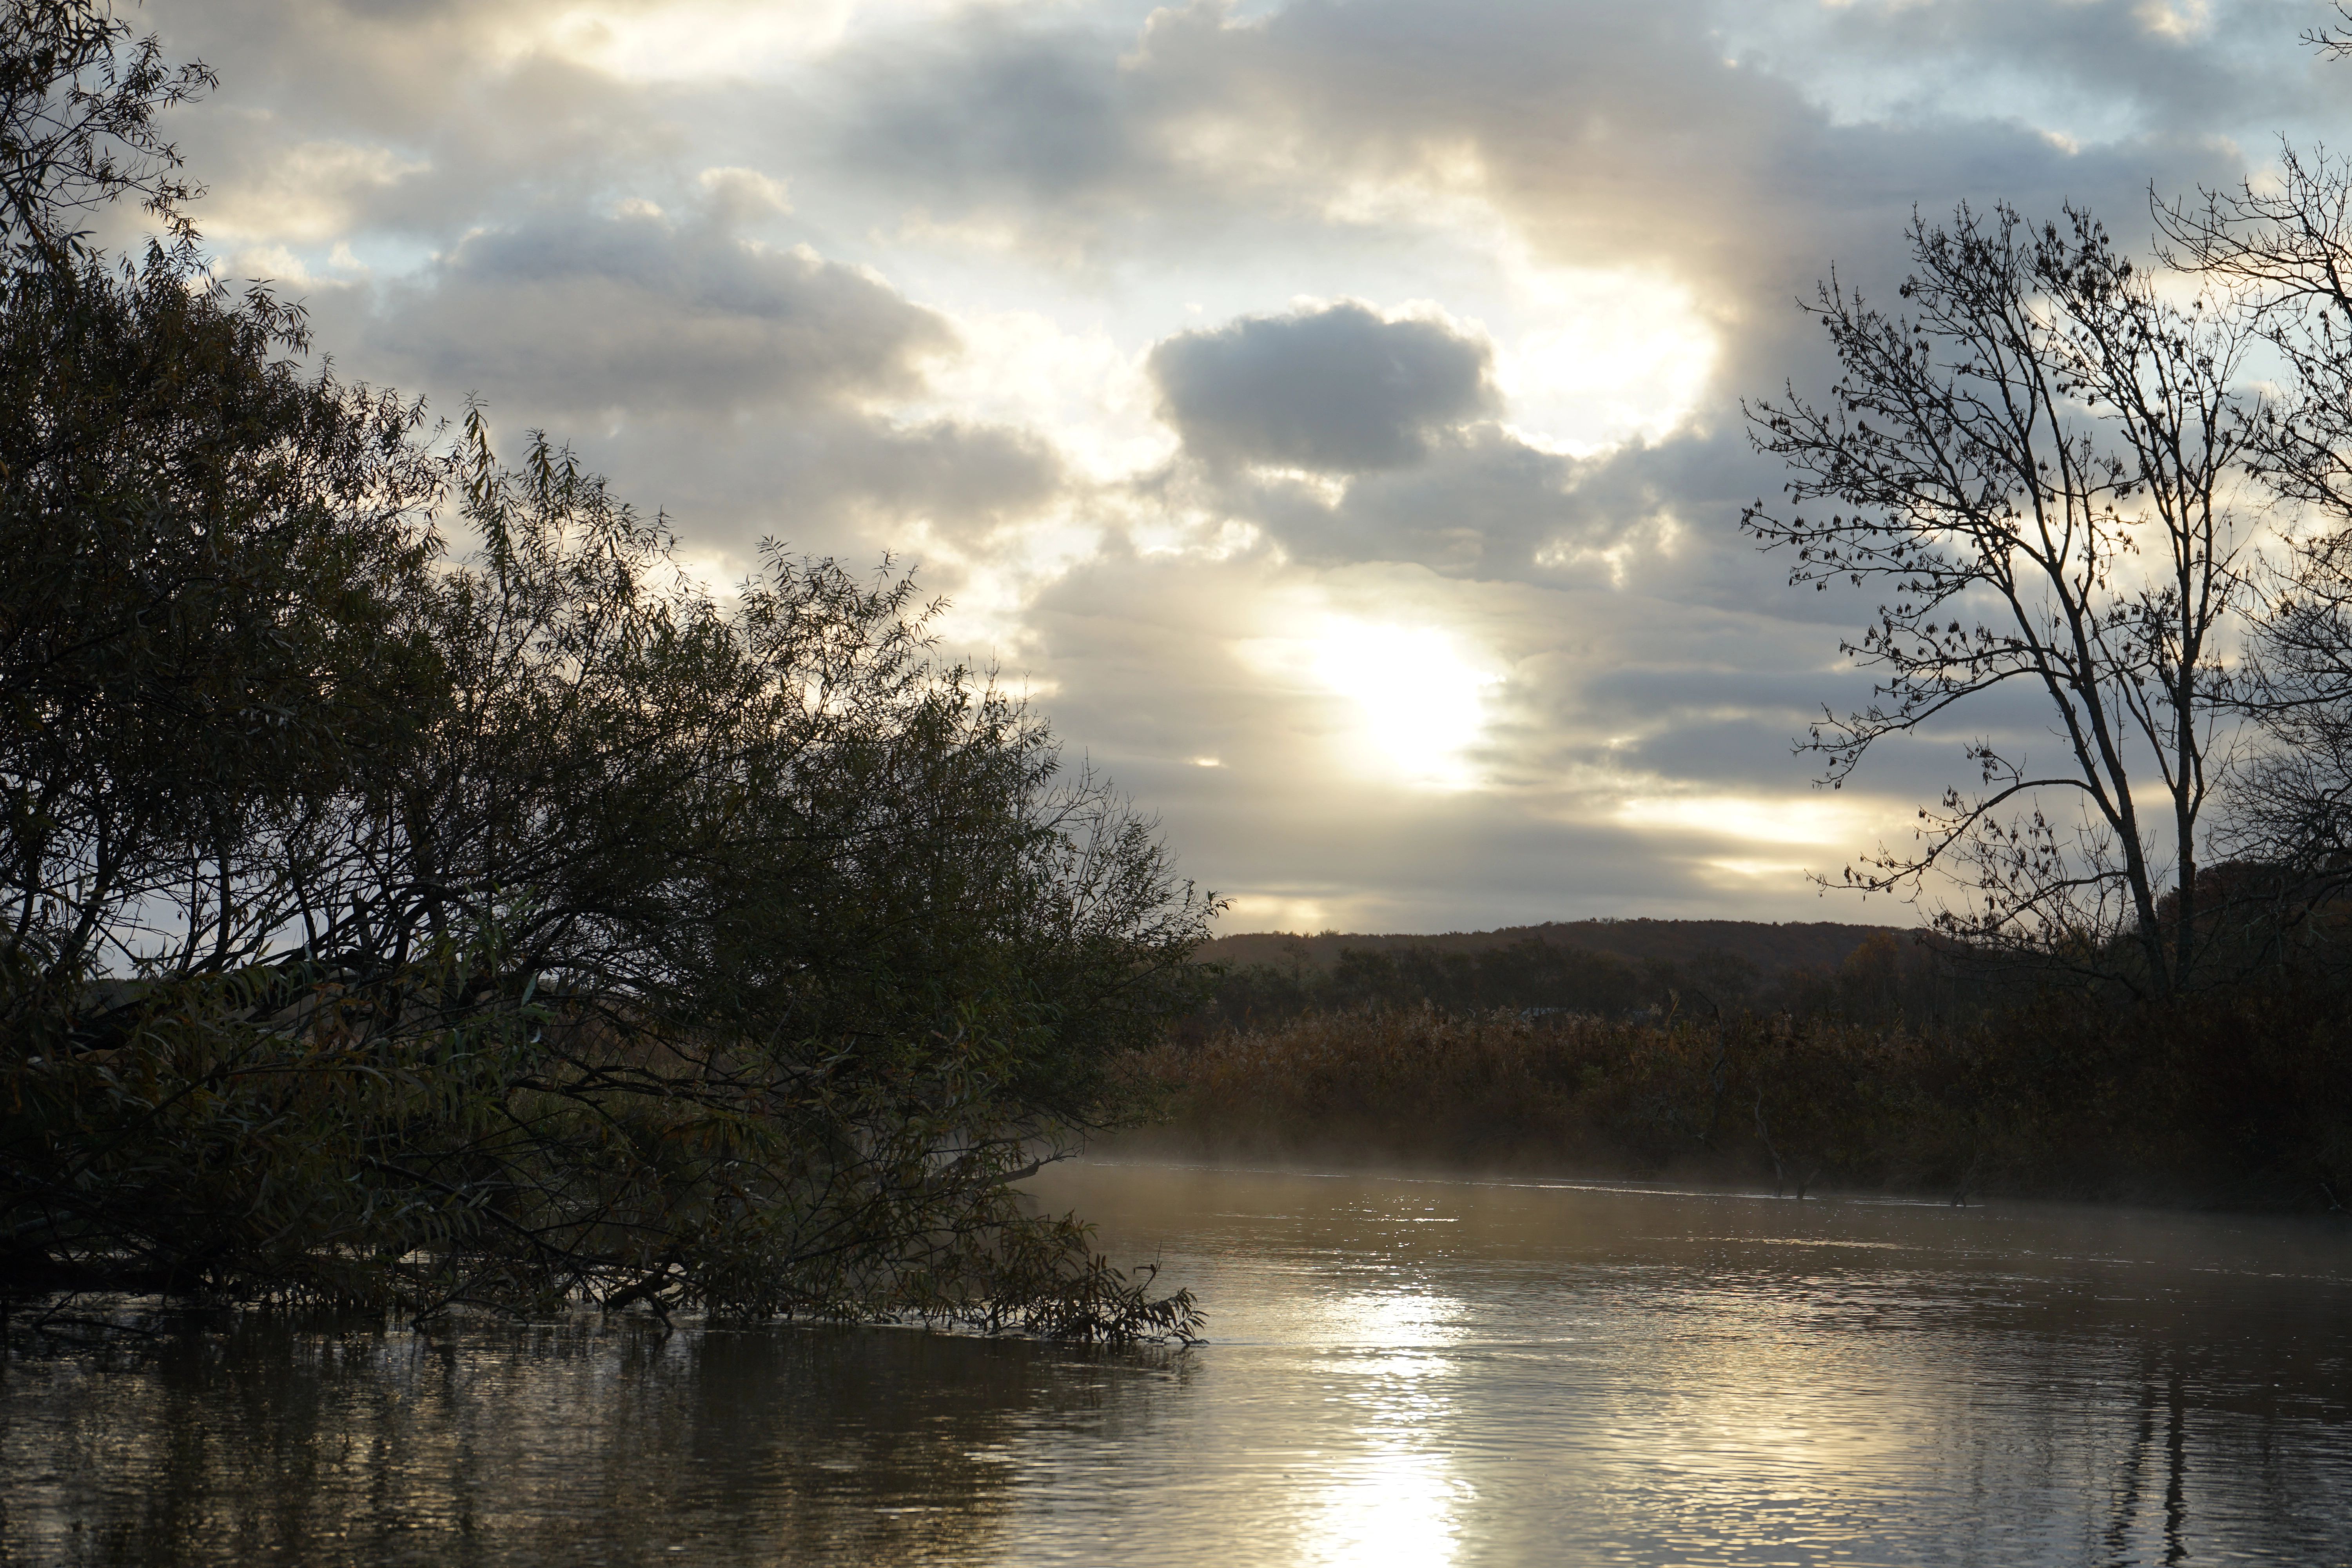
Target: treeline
(415,892)
(1771,947)
(1885,977)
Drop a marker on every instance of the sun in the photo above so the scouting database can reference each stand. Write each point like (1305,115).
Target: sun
(1420,703)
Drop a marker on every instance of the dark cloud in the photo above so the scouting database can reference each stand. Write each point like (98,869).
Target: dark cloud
(1044,108)
(1613,134)
(831,482)
(1479,504)
(1338,390)
(481,127)
(575,313)
(1482,503)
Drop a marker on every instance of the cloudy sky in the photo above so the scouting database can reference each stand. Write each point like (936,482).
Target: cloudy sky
(1328,410)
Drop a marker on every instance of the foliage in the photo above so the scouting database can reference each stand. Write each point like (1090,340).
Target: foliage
(196,631)
(2285,247)
(1528,973)
(1714,1097)
(78,97)
(661,951)
(515,926)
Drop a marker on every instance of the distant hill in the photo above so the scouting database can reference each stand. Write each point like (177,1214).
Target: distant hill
(1773,949)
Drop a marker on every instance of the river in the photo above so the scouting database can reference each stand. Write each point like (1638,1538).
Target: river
(1400,1371)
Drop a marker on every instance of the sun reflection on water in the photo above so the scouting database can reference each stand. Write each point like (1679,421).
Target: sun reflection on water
(1397,1499)
(1398,1508)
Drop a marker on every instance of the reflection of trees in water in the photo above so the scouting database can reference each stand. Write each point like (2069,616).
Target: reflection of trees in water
(2138,1484)
(2220,1455)
(2216,1452)
(564,1444)
(2150,1446)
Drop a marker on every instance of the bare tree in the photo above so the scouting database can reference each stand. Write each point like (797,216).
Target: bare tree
(2035,464)
(2286,247)
(2291,806)
(2334,43)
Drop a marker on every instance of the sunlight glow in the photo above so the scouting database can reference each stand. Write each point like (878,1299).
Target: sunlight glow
(1400,1510)
(307,194)
(1805,819)
(1276,911)
(991,578)
(1758,824)
(692,38)
(1752,870)
(1420,703)
(1625,356)
(673,40)
(1021,369)
(2175,22)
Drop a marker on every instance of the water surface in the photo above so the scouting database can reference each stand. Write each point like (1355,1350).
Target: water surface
(1400,1371)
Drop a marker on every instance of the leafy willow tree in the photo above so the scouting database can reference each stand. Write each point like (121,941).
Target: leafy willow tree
(511,928)
(2036,462)
(198,538)
(204,553)
(78,97)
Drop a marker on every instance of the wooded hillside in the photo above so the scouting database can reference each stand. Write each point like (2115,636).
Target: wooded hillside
(1774,950)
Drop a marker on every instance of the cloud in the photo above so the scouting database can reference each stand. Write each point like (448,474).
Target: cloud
(1482,503)
(306,192)
(966,110)
(1477,503)
(1690,140)
(578,312)
(993,287)
(1337,390)
(2102,69)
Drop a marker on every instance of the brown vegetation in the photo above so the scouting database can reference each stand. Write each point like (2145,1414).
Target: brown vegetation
(2243,1101)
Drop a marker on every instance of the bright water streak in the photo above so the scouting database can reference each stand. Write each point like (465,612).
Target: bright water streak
(1402,1372)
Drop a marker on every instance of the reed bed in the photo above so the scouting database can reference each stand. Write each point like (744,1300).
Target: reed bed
(2237,1102)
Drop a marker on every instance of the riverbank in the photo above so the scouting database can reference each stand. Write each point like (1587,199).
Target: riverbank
(2238,1104)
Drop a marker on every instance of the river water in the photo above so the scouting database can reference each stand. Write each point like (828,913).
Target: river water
(1412,1372)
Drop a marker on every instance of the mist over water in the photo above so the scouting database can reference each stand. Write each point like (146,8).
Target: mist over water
(1400,1371)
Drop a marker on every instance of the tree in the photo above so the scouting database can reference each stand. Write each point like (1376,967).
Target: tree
(2035,463)
(202,547)
(78,97)
(2286,247)
(512,927)
(666,951)
(199,541)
